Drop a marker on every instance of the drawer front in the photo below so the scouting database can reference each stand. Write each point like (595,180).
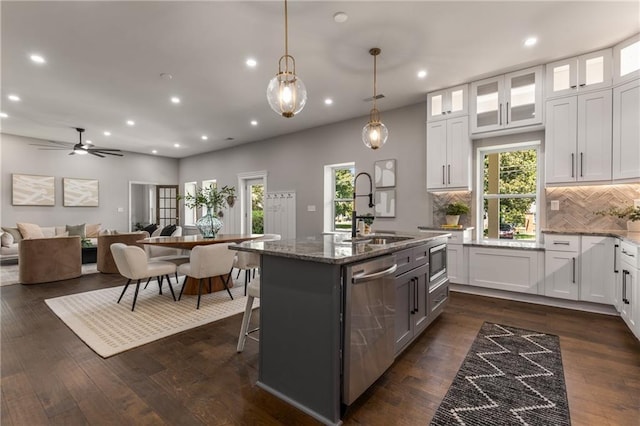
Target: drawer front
(630,253)
(562,242)
(420,255)
(455,238)
(438,299)
(404,260)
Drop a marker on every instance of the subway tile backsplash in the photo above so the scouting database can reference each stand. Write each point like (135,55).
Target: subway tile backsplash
(578,205)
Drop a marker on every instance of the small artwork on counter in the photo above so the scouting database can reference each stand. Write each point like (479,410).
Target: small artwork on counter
(385,173)
(385,201)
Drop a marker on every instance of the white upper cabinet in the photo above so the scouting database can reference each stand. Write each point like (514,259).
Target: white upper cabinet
(626,131)
(626,60)
(448,103)
(579,74)
(449,155)
(507,101)
(578,138)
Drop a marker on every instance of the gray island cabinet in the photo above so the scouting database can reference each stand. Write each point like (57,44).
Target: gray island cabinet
(335,312)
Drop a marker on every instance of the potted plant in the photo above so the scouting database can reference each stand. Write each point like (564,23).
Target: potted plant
(453,211)
(632,214)
(214,200)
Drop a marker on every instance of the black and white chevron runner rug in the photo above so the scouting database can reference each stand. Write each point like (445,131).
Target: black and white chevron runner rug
(509,377)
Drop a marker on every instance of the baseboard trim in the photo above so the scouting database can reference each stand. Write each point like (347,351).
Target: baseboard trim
(534,298)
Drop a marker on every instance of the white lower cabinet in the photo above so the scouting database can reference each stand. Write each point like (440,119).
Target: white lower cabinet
(630,295)
(506,269)
(457,255)
(580,268)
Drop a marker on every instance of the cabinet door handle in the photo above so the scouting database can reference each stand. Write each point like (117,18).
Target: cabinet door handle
(581,165)
(574,86)
(615,258)
(624,286)
(583,84)
(561,243)
(572,168)
(573,278)
(443,174)
(415,299)
(449,173)
(506,111)
(500,114)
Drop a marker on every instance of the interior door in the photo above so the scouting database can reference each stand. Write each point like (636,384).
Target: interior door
(254,206)
(167,205)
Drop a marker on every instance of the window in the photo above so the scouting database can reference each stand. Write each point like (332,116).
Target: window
(189,214)
(207,184)
(509,178)
(338,191)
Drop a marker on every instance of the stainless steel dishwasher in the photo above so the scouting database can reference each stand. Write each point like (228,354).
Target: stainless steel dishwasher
(369,329)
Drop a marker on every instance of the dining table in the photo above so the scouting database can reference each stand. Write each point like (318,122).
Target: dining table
(188,242)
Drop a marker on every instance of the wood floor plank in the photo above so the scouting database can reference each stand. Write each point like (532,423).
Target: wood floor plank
(49,376)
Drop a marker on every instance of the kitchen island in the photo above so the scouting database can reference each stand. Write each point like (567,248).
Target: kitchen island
(312,338)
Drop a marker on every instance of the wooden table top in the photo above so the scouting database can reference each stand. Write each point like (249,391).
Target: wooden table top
(190,241)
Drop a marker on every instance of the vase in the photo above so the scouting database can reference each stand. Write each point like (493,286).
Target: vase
(209,224)
(633,226)
(452,219)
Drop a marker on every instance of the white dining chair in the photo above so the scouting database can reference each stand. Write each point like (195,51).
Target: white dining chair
(206,262)
(253,291)
(249,262)
(133,264)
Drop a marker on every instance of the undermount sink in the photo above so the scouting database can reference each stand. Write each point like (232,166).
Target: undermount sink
(377,239)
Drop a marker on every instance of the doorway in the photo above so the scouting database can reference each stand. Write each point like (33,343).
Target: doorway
(254,202)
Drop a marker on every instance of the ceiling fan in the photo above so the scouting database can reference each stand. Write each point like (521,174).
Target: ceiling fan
(80,148)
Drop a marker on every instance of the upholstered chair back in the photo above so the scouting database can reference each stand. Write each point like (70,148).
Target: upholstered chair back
(131,261)
(211,260)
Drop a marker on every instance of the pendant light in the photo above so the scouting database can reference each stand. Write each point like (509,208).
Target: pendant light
(286,93)
(375,133)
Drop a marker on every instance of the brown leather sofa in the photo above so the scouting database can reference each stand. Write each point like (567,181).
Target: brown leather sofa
(49,259)
(106,264)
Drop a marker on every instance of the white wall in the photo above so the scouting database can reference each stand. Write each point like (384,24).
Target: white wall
(295,162)
(113,174)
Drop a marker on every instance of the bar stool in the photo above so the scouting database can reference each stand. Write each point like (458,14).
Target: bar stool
(253,290)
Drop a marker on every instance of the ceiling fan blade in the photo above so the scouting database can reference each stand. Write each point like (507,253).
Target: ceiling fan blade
(72,153)
(105,149)
(52,149)
(96,154)
(117,154)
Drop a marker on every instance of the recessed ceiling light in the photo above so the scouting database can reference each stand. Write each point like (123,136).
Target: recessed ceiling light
(254,123)
(106,133)
(531,41)
(155,151)
(175,100)
(204,137)
(14,98)
(422,74)
(37,59)
(251,62)
(131,123)
(4,115)
(176,145)
(328,101)
(340,17)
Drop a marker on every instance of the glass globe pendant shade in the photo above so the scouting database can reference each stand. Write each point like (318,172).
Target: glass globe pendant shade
(375,133)
(286,93)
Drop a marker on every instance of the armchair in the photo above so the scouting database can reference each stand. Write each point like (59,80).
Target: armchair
(49,259)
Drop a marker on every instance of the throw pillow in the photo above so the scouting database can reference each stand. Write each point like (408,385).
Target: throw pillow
(15,233)
(92,230)
(7,239)
(168,230)
(150,228)
(78,230)
(30,230)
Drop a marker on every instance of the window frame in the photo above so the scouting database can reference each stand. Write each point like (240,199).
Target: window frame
(330,195)
(479,185)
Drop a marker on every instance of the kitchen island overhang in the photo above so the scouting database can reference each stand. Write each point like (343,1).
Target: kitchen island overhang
(302,309)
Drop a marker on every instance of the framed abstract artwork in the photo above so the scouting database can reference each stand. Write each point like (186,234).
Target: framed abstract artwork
(80,192)
(33,190)
(385,203)
(385,173)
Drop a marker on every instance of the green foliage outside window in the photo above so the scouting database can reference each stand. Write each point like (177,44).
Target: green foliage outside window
(343,201)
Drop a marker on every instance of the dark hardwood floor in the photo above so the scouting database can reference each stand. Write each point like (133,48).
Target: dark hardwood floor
(49,376)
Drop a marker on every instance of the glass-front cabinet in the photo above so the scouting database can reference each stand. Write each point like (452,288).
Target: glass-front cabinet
(448,103)
(579,74)
(506,101)
(626,60)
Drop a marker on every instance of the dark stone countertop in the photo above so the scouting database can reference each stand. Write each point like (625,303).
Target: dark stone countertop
(335,249)
(632,237)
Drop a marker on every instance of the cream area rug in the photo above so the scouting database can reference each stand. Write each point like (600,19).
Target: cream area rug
(9,273)
(110,328)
